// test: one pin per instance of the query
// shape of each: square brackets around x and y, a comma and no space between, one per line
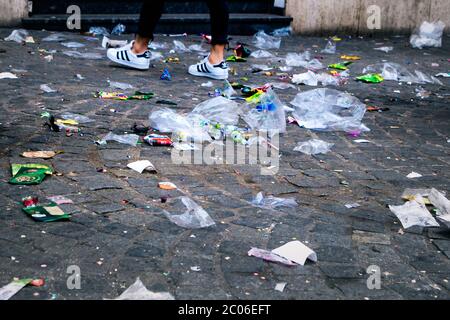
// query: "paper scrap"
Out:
[60,200]
[414,175]
[269,256]
[414,213]
[141,166]
[12,288]
[39,154]
[167,186]
[280,286]
[7,75]
[441,203]
[138,291]
[297,252]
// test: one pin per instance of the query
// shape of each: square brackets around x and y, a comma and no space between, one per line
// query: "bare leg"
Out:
[217,54]
[140,44]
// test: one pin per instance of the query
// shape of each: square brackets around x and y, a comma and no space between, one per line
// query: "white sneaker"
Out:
[125,57]
[206,69]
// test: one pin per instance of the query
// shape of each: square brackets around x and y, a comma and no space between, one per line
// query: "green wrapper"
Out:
[340,66]
[16,167]
[28,176]
[47,213]
[236,59]
[371,78]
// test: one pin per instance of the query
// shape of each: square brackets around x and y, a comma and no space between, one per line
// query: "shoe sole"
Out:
[129,64]
[208,75]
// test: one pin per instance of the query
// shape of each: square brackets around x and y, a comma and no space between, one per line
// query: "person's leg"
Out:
[150,14]
[219,29]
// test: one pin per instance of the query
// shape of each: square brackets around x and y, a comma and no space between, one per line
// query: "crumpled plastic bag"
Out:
[313,79]
[264,41]
[329,110]
[282,32]
[429,34]
[308,78]
[396,72]
[130,139]
[330,48]
[55,37]
[18,36]
[119,29]
[297,59]
[441,203]
[313,147]
[195,217]
[185,127]
[180,46]
[73,44]
[102,31]
[84,55]
[271,202]
[220,110]
[414,213]
[138,291]
[266,112]
[261,54]
[77,117]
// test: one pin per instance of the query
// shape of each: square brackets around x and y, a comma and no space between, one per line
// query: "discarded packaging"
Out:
[141,166]
[84,55]
[371,78]
[19,36]
[384,49]
[297,252]
[29,174]
[429,34]
[269,256]
[8,291]
[39,154]
[158,140]
[59,200]
[44,213]
[414,175]
[118,30]
[328,110]
[138,291]
[264,41]
[330,48]
[219,110]
[130,139]
[441,203]
[414,213]
[7,75]
[194,217]
[120,85]
[261,54]
[46,88]
[166,75]
[98,31]
[73,44]
[313,147]
[167,186]
[271,202]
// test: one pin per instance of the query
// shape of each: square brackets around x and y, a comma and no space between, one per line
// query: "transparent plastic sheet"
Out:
[282,32]
[384,49]
[441,203]
[118,29]
[130,139]
[283,85]
[308,78]
[195,217]
[313,147]
[84,55]
[330,48]
[328,110]
[180,46]
[261,54]
[47,89]
[73,44]
[185,127]
[19,36]
[77,117]
[138,291]
[264,41]
[120,85]
[55,37]
[197,48]
[429,34]
[414,213]
[220,110]
[270,256]
[298,59]
[266,113]
[396,72]
[271,202]
[99,31]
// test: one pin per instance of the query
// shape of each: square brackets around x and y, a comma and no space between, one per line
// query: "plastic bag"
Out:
[119,29]
[120,85]
[314,146]
[46,88]
[265,111]
[130,139]
[414,213]
[271,202]
[99,31]
[72,44]
[282,32]
[384,49]
[55,37]
[18,36]
[328,110]
[77,117]
[83,55]
[195,217]
[264,41]
[180,47]
[298,59]
[396,72]
[441,203]
[429,34]
[186,128]
[220,110]
[308,78]
[138,291]
[330,48]
[261,54]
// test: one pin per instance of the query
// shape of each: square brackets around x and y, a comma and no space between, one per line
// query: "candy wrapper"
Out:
[371,78]
[166,75]
[29,174]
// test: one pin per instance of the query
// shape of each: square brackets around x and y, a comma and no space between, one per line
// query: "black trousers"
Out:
[218,9]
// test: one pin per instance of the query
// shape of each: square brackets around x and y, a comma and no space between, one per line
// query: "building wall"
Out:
[350,16]
[12,12]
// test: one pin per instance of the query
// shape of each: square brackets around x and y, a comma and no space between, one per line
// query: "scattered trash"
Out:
[76,117]
[7,75]
[282,32]
[283,85]
[167,186]
[395,72]
[158,140]
[118,29]
[84,55]
[180,47]
[8,291]
[297,252]
[329,110]
[350,58]
[72,45]
[264,41]
[59,200]
[308,78]
[120,85]
[330,48]
[55,37]
[138,95]
[39,154]
[138,291]
[196,269]
[441,203]
[261,54]
[385,49]
[443,75]
[414,213]
[429,34]
[130,139]
[20,36]
[47,89]
[166,75]
[98,31]
[269,256]
[271,202]
[414,175]
[29,174]
[280,286]
[313,147]
[361,141]
[352,205]
[193,218]
[341,65]
[45,213]
[208,84]
[219,110]
[141,166]
[242,51]
[371,78]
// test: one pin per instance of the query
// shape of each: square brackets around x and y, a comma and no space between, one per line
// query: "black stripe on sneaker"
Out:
[126,55]
[121,54]
[206,68]
[198,68]
[118,55]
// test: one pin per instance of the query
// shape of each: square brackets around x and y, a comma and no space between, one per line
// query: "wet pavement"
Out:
[117,232]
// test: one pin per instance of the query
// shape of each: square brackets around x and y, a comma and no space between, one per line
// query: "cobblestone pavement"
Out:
[115,241]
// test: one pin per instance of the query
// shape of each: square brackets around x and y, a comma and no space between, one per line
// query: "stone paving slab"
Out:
[118,231]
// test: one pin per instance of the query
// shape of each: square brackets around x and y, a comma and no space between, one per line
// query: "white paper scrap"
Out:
[297,252]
